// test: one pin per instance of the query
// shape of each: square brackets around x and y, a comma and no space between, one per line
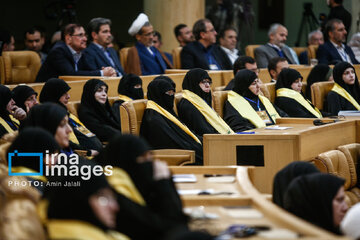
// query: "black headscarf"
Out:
[67,202]
[47,116]
[310,198]
[122,151]
[166,78]
[284,177]
[33,139]
[287,77]
[354,89]
[52,91]
[21,93]
[243,79]
[88,100]
[127,84]
[320,73]
[156,92]
[192,80]
[5,97]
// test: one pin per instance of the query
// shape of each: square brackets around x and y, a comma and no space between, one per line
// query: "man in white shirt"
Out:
[335,50]
[228,41]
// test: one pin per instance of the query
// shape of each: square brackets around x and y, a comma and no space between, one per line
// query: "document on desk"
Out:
[276,127]
[349,113]
[195,191]
[244,213]
[184,178]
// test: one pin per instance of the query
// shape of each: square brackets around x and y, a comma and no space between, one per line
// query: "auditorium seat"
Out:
[249,50]
[319,92]
[19,67]
[219,99]
[176,57]
[335,162]
[268,90]
[312,49]
[123,56]
[175,157]
[264,75]
[299,50]
[73,107]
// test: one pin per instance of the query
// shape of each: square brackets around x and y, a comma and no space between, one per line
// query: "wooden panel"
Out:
[166,14]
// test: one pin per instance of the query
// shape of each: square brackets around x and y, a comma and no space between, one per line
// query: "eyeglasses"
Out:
[80,35]
[206,82]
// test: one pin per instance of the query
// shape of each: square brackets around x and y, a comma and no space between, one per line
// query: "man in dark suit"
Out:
[228,41]
[275,47]
[202,53]
[66,57]
[334,50]
[98,54]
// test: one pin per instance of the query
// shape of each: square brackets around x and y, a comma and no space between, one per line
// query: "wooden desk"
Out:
[303,141]
[246,206]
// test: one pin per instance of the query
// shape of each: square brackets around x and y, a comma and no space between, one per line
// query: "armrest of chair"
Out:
[175,157]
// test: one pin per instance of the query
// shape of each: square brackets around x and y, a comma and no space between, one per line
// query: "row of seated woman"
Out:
[132,197]
[244,109]
[319,198]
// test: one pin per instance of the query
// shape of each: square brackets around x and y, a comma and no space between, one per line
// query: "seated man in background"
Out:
[157,41]
[275,66]
[98,54]
[314,38]
[275,47]
[183,34]
[144,58]
[66,57]
[243,62]
[34,41]
[335,50]
[202,53]
[228,41]
[8,41]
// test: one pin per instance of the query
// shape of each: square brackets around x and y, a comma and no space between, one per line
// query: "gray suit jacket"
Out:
[264,53]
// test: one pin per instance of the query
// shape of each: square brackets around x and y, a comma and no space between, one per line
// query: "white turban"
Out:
[350,225]
[138,24]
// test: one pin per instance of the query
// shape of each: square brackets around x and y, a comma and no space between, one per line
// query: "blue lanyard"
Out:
[343,54]
[257,103]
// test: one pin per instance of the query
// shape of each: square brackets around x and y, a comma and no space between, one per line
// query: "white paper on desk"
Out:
[277,127]
[279,233]
[194,191]
[221,179]
[184,178]
[349,113]
[244,213]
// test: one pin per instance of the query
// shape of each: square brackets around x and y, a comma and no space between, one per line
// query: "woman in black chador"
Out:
[160,125]
[95,111]
[345,95]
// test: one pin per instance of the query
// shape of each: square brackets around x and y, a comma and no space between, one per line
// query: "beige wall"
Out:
[166,14]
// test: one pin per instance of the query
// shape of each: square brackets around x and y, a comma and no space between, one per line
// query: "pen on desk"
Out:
[245,133]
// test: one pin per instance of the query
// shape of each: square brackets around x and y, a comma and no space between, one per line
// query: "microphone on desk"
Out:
[319,122]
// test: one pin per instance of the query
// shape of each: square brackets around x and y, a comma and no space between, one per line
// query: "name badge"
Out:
[263,115]
[84,131]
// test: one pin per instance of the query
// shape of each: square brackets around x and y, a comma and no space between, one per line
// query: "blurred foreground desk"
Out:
[271,150]
[218,210]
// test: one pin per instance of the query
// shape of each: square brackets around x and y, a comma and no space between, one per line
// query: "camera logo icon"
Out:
[16,159]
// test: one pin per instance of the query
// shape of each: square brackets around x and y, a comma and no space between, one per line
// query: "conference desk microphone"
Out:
[319,122]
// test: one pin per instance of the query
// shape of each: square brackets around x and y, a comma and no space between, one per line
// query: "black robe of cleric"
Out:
[195,109]
[56,90]
[289,97]
[245,108]
[96,113]
[161,126]
[345,94]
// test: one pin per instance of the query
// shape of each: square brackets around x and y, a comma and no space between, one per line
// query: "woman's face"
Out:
[205,85]
[105,207]
[101,94]
[62,133]
[349,76]
[31,101]
[255,87]
[297,85]
[10,106]
[64,99]
[339,207]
